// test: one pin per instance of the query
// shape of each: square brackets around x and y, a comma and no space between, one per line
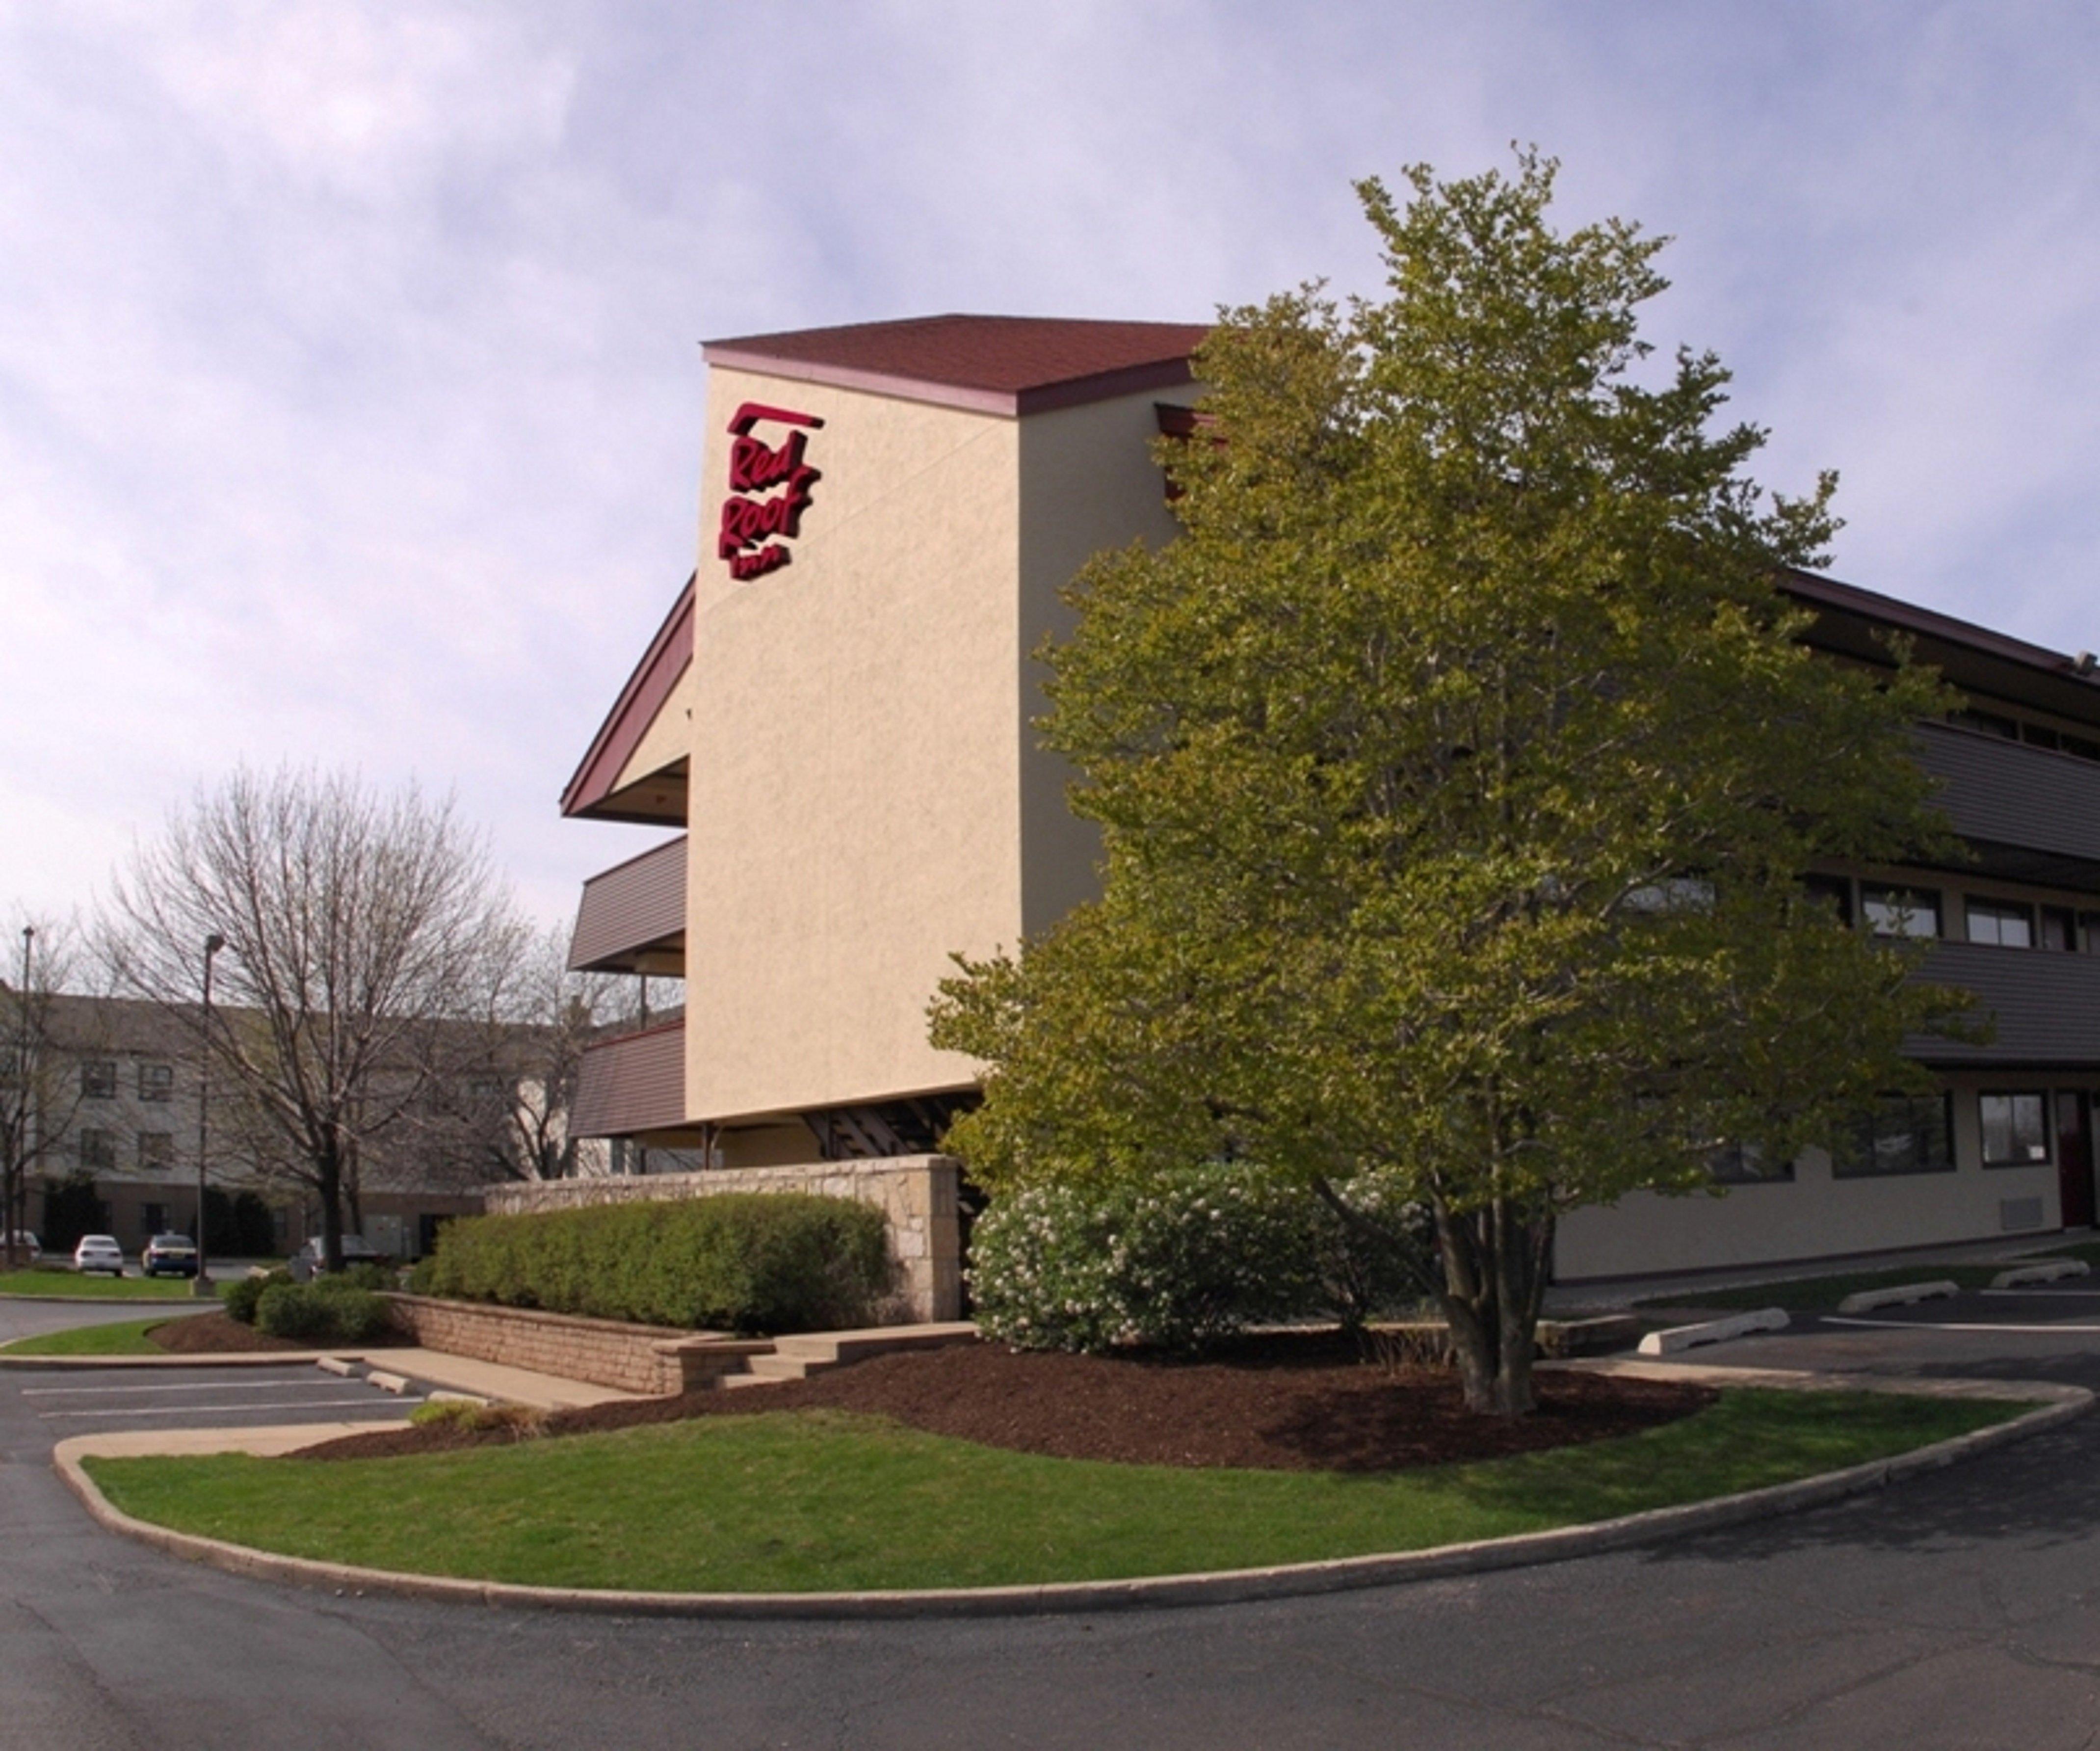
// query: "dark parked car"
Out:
[170,1255]
[305,1263]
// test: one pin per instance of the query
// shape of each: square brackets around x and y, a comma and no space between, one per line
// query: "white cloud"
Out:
[349,387]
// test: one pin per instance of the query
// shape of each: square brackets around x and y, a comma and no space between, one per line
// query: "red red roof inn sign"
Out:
[755,516]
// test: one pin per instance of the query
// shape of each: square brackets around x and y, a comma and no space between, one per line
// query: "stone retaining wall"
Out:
[916,1193]
[645,1359]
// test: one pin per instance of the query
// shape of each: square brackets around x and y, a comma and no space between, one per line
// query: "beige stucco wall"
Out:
[1814,1215]
[867,797]
[854,791]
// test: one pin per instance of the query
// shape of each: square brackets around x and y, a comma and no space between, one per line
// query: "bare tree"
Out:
[367,945]
[41,1088]
[511,1120]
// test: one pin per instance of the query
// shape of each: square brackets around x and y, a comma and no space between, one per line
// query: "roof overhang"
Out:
[1853,622]
[657,797]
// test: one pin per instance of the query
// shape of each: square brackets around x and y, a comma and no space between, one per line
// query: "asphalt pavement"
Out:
[1961,1609]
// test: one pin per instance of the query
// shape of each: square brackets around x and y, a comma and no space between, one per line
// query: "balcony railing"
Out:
[2045,1004]
[632,1084]
[633,916]
[2005,792]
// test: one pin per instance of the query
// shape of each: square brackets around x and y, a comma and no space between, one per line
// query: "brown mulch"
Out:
[222,1334]
[1303,1402]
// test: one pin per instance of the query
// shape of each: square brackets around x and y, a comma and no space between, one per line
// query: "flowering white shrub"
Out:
[1177,1260]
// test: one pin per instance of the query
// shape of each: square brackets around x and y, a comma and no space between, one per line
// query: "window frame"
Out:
[98,1079]
[1835,891]
[2040,1096]
[2001,912]
[96,1148]
[1845,1161]
[157,1080]
[1725,1165]
[1872,893]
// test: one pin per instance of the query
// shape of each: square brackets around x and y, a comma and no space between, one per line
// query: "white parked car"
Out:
[27,1251]
[98,1252]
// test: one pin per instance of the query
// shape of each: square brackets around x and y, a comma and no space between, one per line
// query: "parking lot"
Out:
[78,1402]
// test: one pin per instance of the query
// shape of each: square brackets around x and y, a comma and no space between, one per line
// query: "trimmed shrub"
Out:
[329,1311]
[1181,1260]
[239,1297]
[749,1262]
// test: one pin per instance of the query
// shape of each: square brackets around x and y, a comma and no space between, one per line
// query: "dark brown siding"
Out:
[637,906]
[2047,1006]
[2008,793]
[634,1084]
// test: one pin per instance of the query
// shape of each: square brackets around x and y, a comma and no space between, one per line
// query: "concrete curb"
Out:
[147,1302]
[1899,1295]
[2058,1405]
[229,1359]
[2055,1270]
[1672,1339]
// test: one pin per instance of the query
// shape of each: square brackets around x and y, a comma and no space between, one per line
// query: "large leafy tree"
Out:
[1458,767]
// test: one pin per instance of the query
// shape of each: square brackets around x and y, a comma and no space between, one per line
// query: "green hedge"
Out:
[752,1262]
[240,1297]
[327,1312]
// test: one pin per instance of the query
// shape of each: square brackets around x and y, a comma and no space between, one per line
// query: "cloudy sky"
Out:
[350,386]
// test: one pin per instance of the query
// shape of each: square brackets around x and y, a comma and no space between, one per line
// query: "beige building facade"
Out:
[836,720]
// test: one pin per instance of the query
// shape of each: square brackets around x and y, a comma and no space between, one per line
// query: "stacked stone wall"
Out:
[916,1195]
[644,1359]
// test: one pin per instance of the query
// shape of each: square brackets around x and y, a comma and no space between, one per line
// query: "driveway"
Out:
[23,1318]
[1959,1609]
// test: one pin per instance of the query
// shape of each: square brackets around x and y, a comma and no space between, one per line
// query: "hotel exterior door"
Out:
[2074,1156]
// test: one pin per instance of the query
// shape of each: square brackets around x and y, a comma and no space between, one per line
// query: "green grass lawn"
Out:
[119,1337]
[39,1281]
[1822,1294]
[791,1501]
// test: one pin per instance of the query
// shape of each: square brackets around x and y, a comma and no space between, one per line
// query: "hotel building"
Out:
[835,717]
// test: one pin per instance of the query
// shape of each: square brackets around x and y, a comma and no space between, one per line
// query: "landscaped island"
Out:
[963,1467]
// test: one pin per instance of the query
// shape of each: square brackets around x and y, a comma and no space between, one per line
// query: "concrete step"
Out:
[779,1367]
[798,1356]
[842,1347]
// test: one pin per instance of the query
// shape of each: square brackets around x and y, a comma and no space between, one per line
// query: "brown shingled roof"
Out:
[994,365]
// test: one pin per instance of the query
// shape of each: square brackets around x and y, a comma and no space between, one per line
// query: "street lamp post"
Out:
[18,1143]
[201,1285]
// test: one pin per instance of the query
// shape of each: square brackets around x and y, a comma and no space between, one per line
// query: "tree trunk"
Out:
[328,1183]
[1494,1279]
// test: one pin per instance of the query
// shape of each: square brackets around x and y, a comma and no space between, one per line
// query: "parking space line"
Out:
[192,1410]
[187,1386]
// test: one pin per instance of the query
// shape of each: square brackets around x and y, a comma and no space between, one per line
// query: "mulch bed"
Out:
[1304,1402]
[221,1334]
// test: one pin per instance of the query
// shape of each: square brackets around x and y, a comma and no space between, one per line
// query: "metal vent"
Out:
[2019,1213]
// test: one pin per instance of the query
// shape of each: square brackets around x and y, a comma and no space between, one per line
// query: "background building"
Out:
[124,1158]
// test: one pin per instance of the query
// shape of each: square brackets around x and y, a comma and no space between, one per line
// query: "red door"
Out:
[2074,1156]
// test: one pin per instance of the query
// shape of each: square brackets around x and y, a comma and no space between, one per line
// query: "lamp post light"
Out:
[201,1283]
